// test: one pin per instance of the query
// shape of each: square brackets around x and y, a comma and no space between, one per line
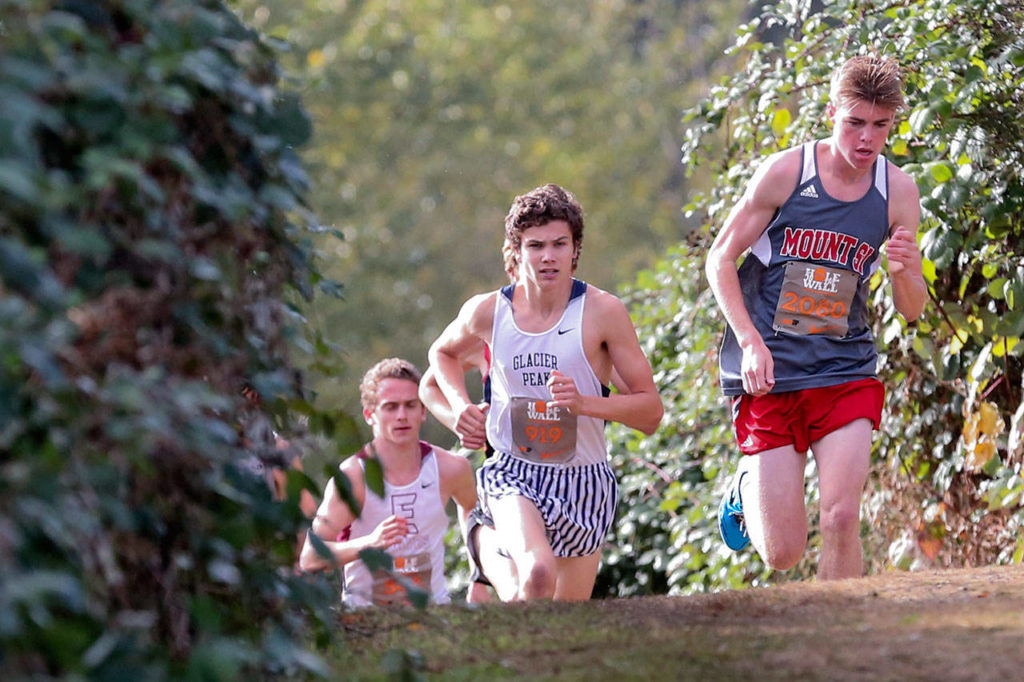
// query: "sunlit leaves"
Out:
[980,431]
[780,121]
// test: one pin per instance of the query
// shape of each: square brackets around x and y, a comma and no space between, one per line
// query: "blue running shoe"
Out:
[730,517]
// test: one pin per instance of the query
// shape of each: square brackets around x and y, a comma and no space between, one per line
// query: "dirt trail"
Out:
[934,625]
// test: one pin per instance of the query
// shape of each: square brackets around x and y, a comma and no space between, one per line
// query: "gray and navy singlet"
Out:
[805,285]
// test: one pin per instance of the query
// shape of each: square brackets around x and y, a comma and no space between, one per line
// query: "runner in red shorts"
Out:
[798,356]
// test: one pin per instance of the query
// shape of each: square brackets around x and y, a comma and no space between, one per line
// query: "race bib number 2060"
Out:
[815,299]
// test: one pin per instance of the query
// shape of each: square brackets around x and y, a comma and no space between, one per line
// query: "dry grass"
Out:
[935,625]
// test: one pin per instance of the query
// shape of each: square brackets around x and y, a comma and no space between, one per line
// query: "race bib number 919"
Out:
[542,432]
[815,299]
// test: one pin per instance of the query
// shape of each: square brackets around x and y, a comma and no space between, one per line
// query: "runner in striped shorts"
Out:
[548,495]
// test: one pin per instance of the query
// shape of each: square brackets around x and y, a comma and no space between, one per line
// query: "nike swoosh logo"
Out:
[817,329]
[565,331]
[425,485]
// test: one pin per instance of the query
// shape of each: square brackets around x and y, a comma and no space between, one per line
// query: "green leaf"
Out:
[942,171]
[780,121]
[995,288]
[374,472]
[17,182]
[344,488]
[921,119]
[1013,292]
[322,550]
[376,560]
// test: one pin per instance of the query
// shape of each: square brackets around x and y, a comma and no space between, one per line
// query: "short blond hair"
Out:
[869,78]
[389,368]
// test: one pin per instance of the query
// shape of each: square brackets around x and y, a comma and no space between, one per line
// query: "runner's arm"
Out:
[909,290]
[457,474]
[334,516]
[461,337]
[766,192]
[474,436]
[639,405]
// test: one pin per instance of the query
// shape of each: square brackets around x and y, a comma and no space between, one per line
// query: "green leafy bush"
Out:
[947,485]
[153,241]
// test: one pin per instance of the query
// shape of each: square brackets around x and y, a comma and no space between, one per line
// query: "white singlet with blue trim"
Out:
[519,422]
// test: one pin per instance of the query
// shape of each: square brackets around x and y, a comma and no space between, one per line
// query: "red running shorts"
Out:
[799,418]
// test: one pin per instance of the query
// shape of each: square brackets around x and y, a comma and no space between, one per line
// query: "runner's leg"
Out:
[575,576]
[478,593]
[773,505]
[843,458]
[496,566]
[520,530]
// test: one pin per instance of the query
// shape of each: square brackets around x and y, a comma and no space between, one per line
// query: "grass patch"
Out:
[933,625]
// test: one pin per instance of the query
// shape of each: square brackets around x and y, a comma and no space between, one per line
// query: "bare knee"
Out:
[537,581]
[840,521]
[783,554]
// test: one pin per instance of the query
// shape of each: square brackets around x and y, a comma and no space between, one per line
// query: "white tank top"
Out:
[519,421]
[420,556]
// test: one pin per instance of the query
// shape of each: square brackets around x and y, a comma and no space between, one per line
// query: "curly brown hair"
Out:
[541,206]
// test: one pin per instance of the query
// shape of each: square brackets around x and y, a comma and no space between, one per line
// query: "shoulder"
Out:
[456,474]
[904,198]
[606,309]
[353,471]
[602,300]
[449,464]
[479,307]
[786,163]
[478,301]
[901,185]
[777,176]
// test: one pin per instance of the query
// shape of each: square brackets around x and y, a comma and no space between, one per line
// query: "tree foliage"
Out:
[431,116]
[946,486]
[154,239]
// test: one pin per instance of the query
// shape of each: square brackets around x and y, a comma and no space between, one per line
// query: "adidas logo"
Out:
[809,192]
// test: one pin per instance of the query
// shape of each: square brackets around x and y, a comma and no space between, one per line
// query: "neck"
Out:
[546,300]
[396,459]
[836,166]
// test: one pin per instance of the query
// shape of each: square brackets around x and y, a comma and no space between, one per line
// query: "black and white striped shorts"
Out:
[576,503]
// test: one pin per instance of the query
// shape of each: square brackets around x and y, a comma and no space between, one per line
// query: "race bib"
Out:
[415,568]
[541,432]
[815,299]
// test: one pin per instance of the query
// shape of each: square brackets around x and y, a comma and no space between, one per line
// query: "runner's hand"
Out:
[903,252]
[564,392]
[471,426]
[757,368]
[388,532]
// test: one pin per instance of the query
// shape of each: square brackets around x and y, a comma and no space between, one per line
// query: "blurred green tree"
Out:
[431,116]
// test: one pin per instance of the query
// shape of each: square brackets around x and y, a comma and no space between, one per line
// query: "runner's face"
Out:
[399,413]
[860,130]
[546,253]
